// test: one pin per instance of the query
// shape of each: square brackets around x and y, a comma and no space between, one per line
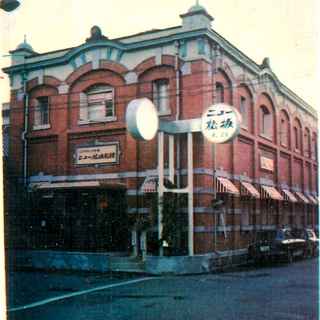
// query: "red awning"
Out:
[248,189]
[270,192]
[224,185]
[312,199]
[289,196]
[302,197]
[149,185]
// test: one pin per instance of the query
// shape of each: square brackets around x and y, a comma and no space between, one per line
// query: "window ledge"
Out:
[41,127]
[265,137]
[102,120]
[164,113]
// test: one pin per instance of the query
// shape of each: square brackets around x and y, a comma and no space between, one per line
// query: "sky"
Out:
[286,31]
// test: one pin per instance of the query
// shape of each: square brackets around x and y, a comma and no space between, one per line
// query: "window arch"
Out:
[219,93]
[266,125]
[97,103]
[314,146]
[245,102]
[307,143]
[297,136]
[284,132]
[160,93]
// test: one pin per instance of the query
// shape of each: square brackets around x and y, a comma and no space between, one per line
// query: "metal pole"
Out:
[171,158]
[190,195]
[214,192]
[160,190]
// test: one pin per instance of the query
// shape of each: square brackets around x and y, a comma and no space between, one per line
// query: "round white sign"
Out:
[142,119]
[220,123]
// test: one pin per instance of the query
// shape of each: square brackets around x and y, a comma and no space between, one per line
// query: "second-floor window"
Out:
[244,111]
[97,104]
[296,138]
[219,93]
[266,125]
[161,96]
[41,112]
[284,133]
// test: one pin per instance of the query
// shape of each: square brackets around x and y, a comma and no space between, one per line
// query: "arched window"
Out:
[297,136]
[161,96]
[219,93]
[244,111]
[97,104]
[41,112]
[314,146]
[307,143]
[266,125]
[284,133]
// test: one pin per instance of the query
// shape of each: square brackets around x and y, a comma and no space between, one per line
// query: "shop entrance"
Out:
[93,220]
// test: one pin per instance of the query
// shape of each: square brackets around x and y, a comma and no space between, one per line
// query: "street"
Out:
[275,292]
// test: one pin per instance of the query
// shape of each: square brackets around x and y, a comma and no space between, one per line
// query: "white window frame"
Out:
[161,99]
[101,105]
[42,113]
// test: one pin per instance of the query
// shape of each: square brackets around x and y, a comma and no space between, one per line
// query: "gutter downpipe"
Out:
[25,131]
[178,76]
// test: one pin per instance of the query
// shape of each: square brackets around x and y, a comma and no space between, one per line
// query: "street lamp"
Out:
[9,5]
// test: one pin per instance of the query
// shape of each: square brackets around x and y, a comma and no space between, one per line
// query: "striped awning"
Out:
[312,199]
[248,189]
[224,185]
[302,197]
[289,196]
[270,193]
[149,185]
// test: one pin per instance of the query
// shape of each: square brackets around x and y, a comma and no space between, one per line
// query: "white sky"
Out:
[286,31]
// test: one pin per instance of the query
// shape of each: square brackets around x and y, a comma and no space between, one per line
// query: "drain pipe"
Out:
[176,67]
[25,131]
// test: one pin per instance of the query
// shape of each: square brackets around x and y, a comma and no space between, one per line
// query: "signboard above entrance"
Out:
[220,123]
[106,154]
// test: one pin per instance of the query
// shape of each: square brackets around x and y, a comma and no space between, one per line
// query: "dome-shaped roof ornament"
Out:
[265,63]
[25,46]
[96,35]
[197,17]
[197,7]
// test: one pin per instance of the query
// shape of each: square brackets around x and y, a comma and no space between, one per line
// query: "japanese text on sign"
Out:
[220,123]
[96,155]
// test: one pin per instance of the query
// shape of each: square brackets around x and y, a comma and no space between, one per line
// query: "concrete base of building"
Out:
[110,262]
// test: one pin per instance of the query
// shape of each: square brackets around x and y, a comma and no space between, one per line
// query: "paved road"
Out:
[283,292]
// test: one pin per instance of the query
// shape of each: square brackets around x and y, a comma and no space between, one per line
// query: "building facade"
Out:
[90,184]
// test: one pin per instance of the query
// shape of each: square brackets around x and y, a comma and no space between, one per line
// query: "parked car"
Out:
[311,240]
[275,245]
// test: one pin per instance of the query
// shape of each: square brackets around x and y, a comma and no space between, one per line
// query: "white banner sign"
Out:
[96,155]
[220,123]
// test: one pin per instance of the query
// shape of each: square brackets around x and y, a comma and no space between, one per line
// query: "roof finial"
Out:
[25,38]
[197,2]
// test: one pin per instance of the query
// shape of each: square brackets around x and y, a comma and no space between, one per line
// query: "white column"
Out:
[171,158]
[190,195]
[160,188]
[134,242]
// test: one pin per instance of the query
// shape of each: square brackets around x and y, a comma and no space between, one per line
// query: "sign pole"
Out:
[190,195]
[160,190]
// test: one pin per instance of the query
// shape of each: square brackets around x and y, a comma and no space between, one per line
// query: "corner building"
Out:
[88,179]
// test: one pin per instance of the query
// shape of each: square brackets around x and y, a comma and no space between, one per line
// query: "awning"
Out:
[289,196]
[270,192]
[302,197]
[224,185]
[248,189]
[77,184]
[312,199]
[149,185]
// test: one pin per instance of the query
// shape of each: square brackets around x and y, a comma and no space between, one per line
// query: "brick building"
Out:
[87,178]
